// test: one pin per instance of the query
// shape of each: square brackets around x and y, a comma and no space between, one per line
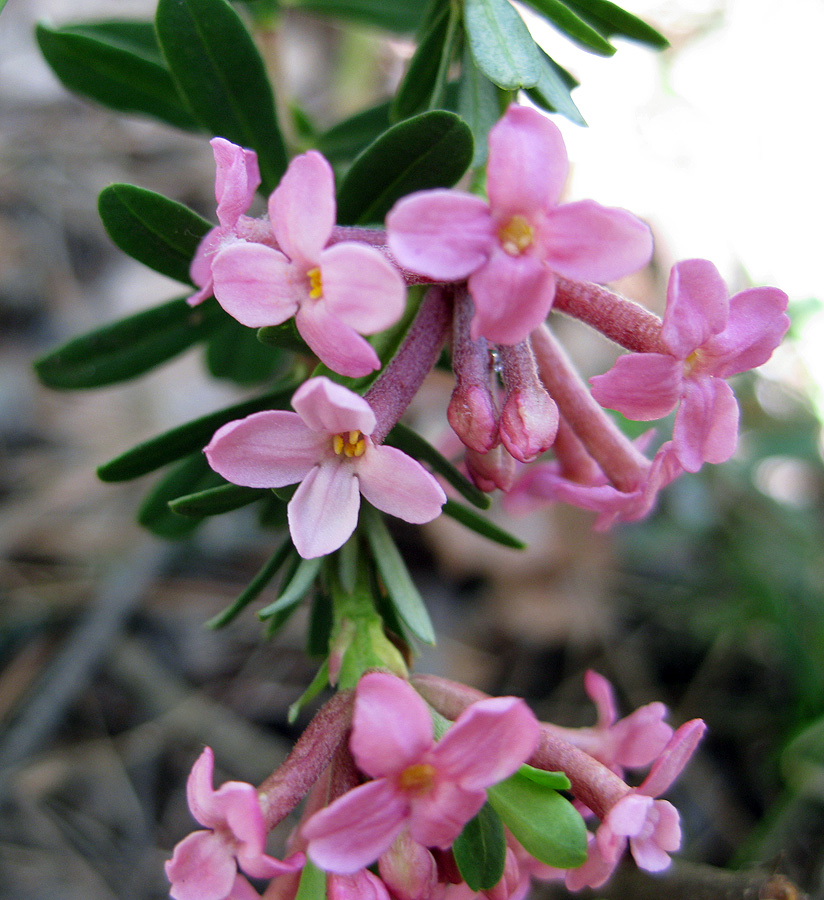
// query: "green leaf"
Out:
[545,823]
[219,71]
[405,597]
[480,850]
[189,476]
[611,19]
[320,625]
[501,45]
[573,26]
[117,64]
[156,231]
[424,83]
[427,151]
[128,348]
[296,589]
[404,438]
[216,501]
[346,139]
[312,883]
[552,92]
[172,445]
[318,683]
[482,526]
[479,104]
[234,352]
[555,780]
[392,15]
[270,568]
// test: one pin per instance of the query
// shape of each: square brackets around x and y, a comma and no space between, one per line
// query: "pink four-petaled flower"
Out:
[336,294]
[432,788]
[709,337]
[204,865]
[326,446]
[511,247]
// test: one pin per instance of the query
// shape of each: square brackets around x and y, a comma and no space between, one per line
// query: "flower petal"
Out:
[354,830]
[237,179]
[200,790]
[488,742]
[200,269]
[324,511]
[587,241]
[391,727]
[202,867]
[443,234]
[302,208]
[697,306]
[706,425]
[399,485]
[331,408]
[512,296]
[527,163]
[629,815]
[335,344]
[272,448]
[361,287]
[437,818]
[255,284]
[641,386]
[673,758]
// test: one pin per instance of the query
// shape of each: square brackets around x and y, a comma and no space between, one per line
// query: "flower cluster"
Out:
[387,793]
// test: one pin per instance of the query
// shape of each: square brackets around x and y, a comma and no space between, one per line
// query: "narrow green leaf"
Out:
[216,501]
[270,568]
[172,445]
[545,823]
[320,625]
[573,26]
[219,71]
[480,850]
[611,19]
[482,526]
[405,597]
[427,151]
[156,231]
[501,45]
[128,348]
[117,64]
[234,352]
[479,104]
[296,589]
[411,442]
[189,476]
[318,683]
[553,90]
[401,16]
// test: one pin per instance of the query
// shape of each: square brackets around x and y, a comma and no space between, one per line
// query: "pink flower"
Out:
[325,445]
[511,247]
[432,788]
[709,337]
[336,293]
[204,865]
[237,179]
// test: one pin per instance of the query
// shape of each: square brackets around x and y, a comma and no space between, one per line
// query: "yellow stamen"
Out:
[516,236]
[351,444]
[417,779]
[315,285]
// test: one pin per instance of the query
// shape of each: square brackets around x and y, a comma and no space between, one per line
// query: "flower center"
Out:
[692,363]
[315,284]
[417,779]
[516,236]
[349,444]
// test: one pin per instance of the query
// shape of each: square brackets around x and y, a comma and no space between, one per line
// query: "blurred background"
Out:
[109,683]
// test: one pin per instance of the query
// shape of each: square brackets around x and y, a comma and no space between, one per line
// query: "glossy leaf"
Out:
[427,151]
[345,140]
[401,16]
[573,26]
[403,594]
[296,589]
[156,231]
[501,45]
[264,575]
[479,104]
[118,64]
[480,850]
[234,352]
[545,823]
[216,501]
[610,19]
[411,442]
[219,71]
[555,780]
[172,445]
[472,520]
[187,477]
[128,348]
[553,90]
